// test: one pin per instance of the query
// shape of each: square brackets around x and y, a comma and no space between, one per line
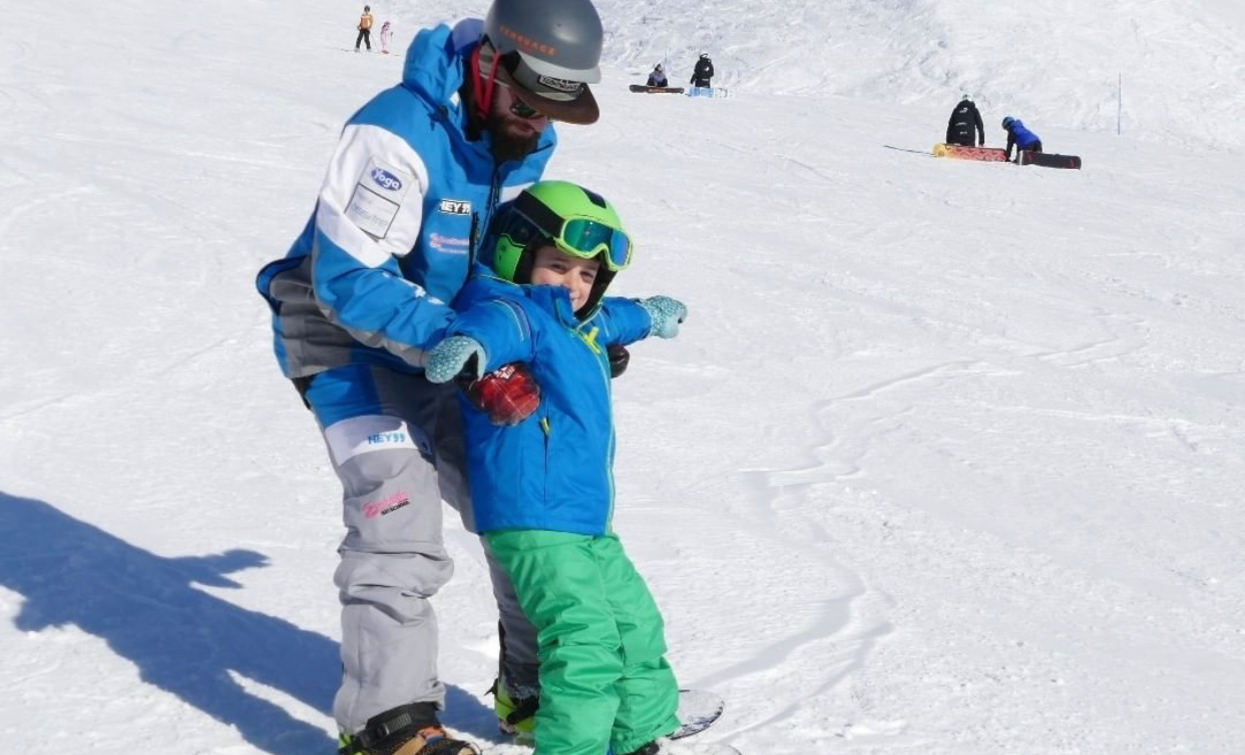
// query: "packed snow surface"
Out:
[948,458]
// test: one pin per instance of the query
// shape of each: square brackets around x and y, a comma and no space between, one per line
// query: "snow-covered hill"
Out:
[948,458]
[1052,62]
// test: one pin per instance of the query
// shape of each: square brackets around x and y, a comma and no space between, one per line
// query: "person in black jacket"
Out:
[658,77]
[964,119]
[703,72]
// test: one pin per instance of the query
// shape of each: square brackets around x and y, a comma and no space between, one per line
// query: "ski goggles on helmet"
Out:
[578,236]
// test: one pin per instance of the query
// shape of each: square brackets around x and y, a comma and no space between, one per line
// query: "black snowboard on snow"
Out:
[656,90]
[1047,160]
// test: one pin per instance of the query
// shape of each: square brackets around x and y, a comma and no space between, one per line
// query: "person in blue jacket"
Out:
[1020,137]
[364,292]
[543,489]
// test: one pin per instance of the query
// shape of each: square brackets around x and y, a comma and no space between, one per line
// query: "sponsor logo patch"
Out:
[455,207]
[386,505]
[371,212]
[386,180]
[377,198]
[394,437]
[356,436]
[449,244]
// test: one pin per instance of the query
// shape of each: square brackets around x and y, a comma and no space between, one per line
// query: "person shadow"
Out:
[183,640]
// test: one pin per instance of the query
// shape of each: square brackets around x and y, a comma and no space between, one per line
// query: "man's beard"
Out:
[510,145]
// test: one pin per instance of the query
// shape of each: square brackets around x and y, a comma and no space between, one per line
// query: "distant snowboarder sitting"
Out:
[965,119]
[1020,137]
[703,72]
[365,29]
[658,77]
[385,35]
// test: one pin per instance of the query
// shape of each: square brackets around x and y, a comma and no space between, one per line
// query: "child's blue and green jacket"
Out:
[554,470]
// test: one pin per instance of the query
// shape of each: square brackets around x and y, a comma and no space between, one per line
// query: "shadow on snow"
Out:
[182,640]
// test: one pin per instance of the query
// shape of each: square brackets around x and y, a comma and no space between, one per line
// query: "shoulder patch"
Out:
[377,197]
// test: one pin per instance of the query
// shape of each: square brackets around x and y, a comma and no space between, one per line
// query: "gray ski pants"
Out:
[395,442]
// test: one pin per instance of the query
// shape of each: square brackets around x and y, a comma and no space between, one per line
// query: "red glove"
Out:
[507,395]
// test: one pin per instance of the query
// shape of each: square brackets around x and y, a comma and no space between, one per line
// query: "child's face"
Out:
[553,267]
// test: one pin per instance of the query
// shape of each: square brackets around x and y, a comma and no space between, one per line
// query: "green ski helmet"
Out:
[576,220]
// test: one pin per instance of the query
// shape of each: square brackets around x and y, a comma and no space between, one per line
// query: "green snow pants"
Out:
[604,680]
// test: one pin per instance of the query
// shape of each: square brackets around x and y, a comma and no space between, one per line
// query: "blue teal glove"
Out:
[666,314]
[455,356]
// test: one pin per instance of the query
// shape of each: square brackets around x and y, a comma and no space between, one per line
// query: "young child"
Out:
[542,489]
[385,35]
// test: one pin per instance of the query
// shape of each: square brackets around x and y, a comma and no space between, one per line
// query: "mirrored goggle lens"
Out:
[524,110]
[587,237]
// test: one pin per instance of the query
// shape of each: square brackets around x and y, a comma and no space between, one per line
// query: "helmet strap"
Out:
[527,260]
[482,88]
[604,278]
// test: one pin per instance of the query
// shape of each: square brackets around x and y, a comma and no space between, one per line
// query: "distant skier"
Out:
[658,77]
[703,72]
[965,119]
[1020,137]
[385,35]
[365,29]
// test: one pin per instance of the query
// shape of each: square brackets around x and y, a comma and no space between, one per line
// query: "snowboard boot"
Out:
[516,716]
[663,746]
[407,730]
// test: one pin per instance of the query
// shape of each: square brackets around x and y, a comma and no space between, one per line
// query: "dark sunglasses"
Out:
[519,107]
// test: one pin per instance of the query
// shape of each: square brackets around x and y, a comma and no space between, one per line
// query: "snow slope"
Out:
[1056,62]
[948,458]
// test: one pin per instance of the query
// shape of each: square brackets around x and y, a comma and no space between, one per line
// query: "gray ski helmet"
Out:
[550,51]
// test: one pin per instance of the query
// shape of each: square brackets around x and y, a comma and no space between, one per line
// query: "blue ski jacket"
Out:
[1020,136]
[554,470]
[370,278]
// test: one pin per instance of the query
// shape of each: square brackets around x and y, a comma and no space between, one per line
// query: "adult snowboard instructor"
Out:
[416,176]
[964,121]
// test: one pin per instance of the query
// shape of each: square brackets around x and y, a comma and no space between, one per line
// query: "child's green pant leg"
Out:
[648,693]
[603,679]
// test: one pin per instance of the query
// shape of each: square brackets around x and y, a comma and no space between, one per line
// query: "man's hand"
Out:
[619,357]
[507,395]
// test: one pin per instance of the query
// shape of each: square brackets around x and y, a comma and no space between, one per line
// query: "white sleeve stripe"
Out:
[347,236]
[371,203]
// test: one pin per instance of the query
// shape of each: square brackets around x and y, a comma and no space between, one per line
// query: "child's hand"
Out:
[453,357]
[666,314]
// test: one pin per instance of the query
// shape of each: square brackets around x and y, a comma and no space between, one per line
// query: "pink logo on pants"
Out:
[386,505]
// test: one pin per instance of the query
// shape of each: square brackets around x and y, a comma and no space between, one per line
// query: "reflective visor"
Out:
[589,238]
